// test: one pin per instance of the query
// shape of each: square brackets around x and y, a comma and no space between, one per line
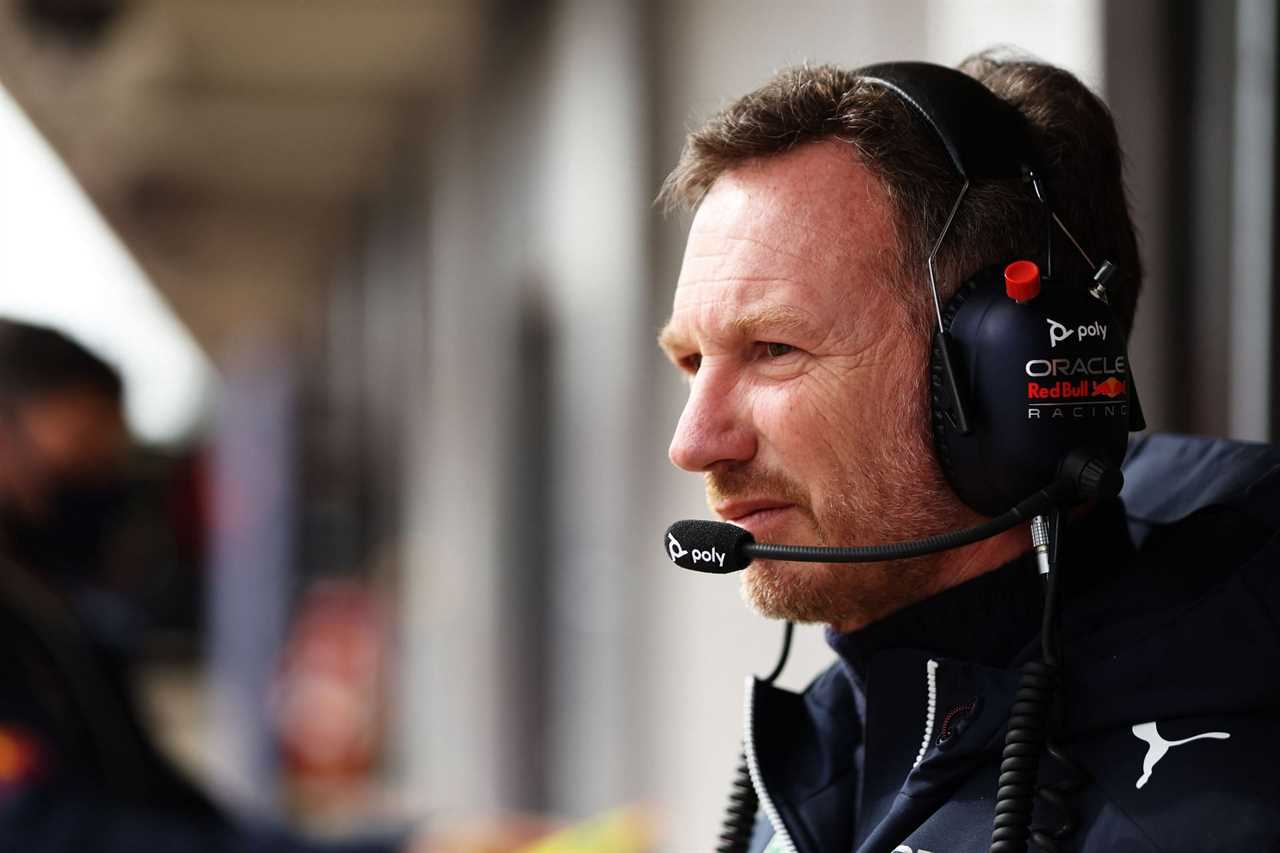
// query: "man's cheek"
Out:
[825,413]
[796,401]
[772,408]
[829,389]
[788,438]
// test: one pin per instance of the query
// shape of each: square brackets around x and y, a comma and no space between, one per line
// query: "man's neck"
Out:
[951,568]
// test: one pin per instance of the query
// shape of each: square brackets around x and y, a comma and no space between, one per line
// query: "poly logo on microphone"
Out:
[712,556]
[707,546]
[674,549]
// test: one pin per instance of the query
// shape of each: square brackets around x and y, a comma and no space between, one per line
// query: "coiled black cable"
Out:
[1028,735]
[1020,761]
[740,815]
[1058,796]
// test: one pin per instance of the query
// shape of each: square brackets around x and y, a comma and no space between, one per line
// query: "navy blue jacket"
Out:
[1171,684]
[78,770]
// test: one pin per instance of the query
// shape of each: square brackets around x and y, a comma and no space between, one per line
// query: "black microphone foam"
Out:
[708,546]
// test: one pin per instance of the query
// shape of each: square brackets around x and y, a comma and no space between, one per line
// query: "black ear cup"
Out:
[1041,378]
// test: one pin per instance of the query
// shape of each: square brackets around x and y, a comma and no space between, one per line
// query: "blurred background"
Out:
[383,279]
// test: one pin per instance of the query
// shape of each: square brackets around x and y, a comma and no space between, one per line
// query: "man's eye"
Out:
[779,350]
[691,363]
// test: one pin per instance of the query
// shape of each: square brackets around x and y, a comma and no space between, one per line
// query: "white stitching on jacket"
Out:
[779,830]
[931,680]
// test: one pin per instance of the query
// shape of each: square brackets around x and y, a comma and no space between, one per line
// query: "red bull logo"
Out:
[1058,390]
[1110,388]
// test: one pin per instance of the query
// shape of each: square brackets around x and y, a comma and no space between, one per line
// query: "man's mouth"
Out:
[753,515]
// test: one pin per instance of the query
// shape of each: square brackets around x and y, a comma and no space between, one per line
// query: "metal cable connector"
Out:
[1040,541]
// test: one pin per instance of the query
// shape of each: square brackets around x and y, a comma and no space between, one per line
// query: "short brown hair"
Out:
[999,220]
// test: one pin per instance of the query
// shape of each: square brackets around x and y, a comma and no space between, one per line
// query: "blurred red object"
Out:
[329,697]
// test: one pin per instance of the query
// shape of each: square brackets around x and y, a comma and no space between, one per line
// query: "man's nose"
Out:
[714,427]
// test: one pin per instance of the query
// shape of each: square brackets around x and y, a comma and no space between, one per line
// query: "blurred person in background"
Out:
[803,323]
[79,770]
[63,445]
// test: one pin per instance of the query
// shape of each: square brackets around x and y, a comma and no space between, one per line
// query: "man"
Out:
[78,769]
[63,444]
[802,321]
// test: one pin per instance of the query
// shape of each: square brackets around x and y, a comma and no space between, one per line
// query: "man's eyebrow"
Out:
[767,320]
[772,319]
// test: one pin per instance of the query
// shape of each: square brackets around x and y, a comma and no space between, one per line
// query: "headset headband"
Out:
[985,137]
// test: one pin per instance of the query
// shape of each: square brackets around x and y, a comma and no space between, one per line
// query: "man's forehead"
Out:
[819,186]
[811,222]
[817,200]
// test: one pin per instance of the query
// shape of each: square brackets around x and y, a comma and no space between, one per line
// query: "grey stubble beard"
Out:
[895,495]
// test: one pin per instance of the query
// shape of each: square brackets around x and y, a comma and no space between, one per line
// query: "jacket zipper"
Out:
[931,708]
[749,744]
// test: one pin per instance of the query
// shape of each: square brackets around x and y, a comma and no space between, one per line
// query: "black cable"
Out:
[740,815]
[1028,735]
[786,652]
[1039,503]
[1049,617]
[1020,760]
[1058,795]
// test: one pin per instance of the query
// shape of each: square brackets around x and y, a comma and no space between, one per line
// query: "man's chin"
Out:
[799,592]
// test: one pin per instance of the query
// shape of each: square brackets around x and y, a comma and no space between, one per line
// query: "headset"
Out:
[1025,369]
[1031,402]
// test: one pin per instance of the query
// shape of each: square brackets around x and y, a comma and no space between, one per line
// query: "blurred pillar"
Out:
[1147,82]
[461,706]
[252,554]
[518,687]
[1252,272]
[596,200]
[1193,89]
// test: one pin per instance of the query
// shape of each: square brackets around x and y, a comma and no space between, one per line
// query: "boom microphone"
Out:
[719,547]
[708,546]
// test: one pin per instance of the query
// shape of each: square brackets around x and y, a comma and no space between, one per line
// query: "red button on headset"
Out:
[1022,281]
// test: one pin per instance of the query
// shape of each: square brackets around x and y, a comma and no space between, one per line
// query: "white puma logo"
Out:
[1157,746]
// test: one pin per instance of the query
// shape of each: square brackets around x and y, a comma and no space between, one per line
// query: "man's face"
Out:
[75,435]
[806,405]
